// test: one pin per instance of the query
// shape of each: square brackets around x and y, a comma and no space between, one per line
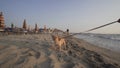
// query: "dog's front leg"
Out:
[60,48]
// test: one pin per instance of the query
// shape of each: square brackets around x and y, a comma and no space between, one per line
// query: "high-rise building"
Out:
[2,21]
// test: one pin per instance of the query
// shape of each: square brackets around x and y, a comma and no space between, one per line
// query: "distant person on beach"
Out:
[67,31]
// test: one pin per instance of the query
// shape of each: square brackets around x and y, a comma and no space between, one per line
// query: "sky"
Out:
[75,15]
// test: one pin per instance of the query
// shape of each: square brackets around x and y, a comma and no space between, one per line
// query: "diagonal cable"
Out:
[101,26]
[94,28]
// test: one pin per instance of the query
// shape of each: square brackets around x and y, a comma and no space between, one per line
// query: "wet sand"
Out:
[39,51]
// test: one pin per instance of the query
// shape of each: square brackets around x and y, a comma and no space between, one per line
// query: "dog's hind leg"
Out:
[65,45]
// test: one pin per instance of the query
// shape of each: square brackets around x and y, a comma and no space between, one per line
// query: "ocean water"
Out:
[108,41]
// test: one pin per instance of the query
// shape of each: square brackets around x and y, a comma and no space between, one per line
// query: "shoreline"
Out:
[100,50]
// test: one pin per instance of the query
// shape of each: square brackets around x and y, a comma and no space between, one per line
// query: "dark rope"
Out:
[118,20]
[101,26]
[93,28]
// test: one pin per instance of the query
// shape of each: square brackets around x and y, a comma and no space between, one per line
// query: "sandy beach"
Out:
[39,51]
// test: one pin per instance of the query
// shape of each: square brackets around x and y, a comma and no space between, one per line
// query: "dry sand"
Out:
[39,51]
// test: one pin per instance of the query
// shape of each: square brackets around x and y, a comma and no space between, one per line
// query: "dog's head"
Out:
[55,37]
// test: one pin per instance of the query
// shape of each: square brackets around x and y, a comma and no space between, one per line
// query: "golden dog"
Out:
[59,41]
